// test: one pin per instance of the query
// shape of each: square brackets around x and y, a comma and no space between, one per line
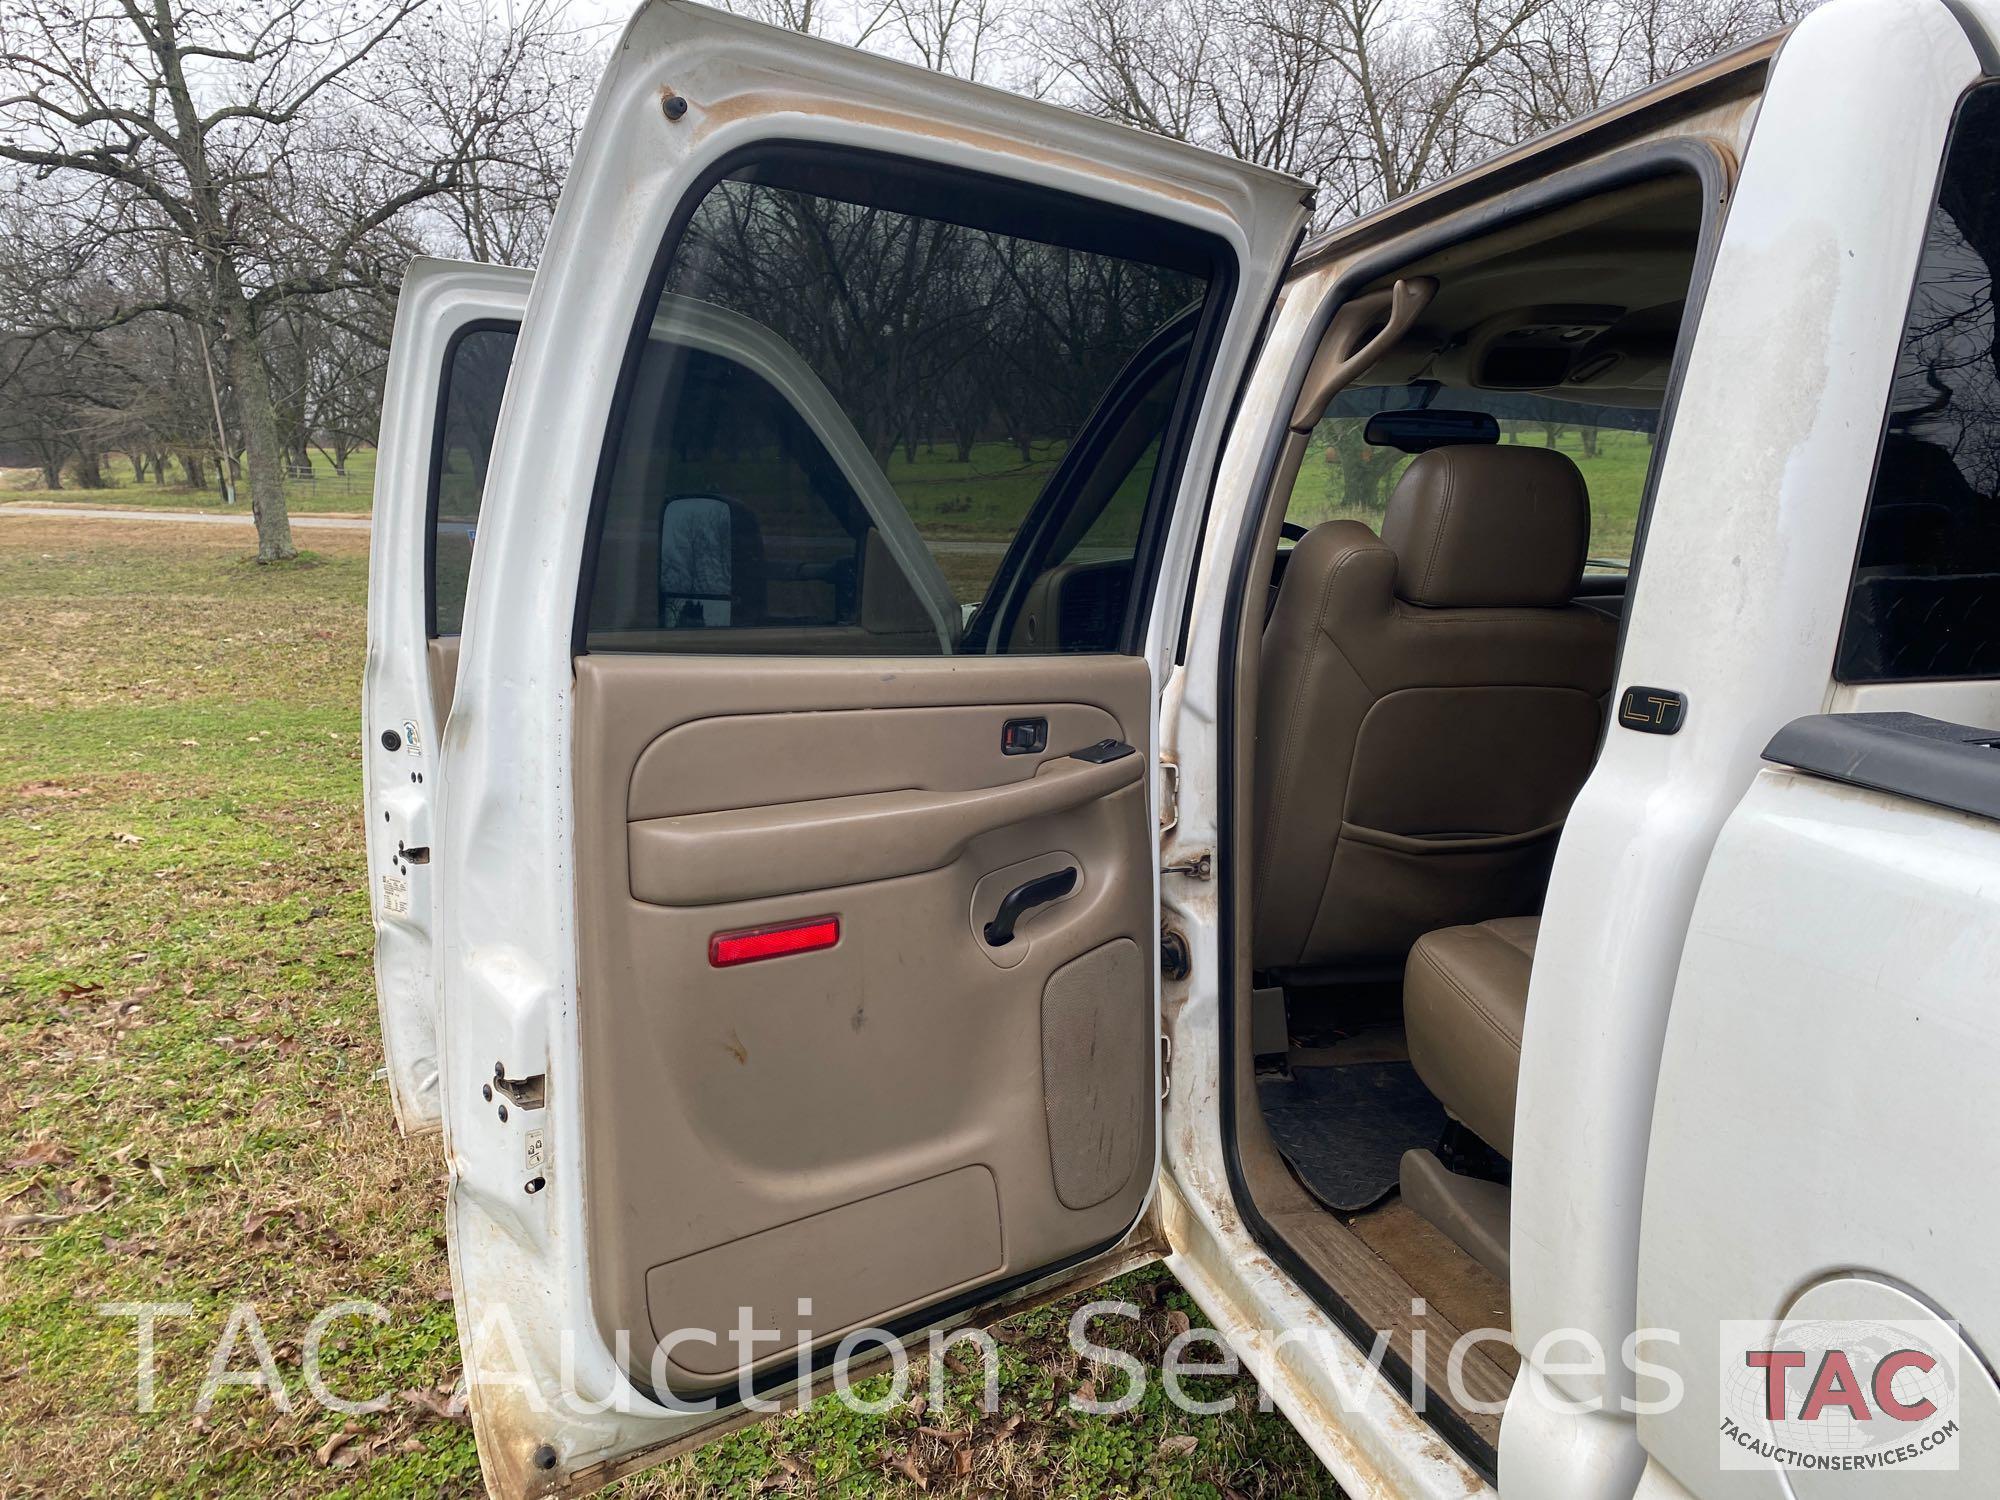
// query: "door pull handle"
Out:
[1023,899]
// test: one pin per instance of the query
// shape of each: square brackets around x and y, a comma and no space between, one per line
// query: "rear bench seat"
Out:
[1465,996]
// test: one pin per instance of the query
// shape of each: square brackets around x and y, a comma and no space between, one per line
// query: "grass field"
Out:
[189,1112]
[1615,475]
[327,493]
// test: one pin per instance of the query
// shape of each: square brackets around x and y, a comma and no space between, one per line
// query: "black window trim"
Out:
[1130,233]
[1027,553]
[435,468]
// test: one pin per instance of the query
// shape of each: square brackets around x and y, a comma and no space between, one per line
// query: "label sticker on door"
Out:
[536,1155]
[395,896]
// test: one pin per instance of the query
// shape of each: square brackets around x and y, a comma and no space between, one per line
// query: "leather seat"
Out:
[1465,998]
[1430,702]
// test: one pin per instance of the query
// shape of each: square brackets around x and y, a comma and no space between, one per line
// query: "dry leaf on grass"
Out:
[1178,1446]
[330,1450]
[444,1403]
[259,1224]
[44,1153]
[902,1465]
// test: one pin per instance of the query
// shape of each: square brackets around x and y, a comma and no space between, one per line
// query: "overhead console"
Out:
[1566,348]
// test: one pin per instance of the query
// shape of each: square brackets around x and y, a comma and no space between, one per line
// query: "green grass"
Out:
[1615,475]
[987,496]
[189,1110]
[327,493]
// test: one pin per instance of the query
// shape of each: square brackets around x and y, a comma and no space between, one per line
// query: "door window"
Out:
[1925,600]
[475,377]
[852,427]
[1344,477]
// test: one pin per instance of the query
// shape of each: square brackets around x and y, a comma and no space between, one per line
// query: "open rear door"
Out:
[455,329]
[798,846]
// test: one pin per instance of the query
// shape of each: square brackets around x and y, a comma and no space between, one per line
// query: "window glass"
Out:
[727,510]
[1344,477]
[1925,600]
[475,377]
[845,413]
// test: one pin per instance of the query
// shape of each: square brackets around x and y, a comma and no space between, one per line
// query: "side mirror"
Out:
[711,555]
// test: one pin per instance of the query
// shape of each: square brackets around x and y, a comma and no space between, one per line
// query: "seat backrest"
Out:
[1429,705]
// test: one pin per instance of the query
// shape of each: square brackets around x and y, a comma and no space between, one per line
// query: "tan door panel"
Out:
[902,1117]
[441,660]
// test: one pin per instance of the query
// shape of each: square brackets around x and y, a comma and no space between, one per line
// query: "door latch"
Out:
[421,855]
[1170,796]
[525,1093]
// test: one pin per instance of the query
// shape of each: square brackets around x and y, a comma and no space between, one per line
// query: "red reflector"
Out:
[748,944]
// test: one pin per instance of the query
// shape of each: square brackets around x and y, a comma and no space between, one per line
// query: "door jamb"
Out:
[1714,169]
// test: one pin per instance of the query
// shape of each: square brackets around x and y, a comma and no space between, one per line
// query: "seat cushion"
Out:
[1465,996]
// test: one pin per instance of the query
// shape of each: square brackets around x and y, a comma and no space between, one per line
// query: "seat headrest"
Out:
[1483,526]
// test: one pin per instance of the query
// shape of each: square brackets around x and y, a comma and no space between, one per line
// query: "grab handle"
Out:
[1023,899]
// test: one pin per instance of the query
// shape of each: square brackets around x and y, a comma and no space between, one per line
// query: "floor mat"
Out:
[1344,1130]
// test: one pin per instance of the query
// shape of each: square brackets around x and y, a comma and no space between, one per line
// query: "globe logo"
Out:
[1831,1394]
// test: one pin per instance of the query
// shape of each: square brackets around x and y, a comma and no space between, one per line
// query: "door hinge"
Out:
[1196,866]
[1170,796]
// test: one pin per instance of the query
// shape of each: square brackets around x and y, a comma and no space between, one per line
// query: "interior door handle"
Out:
[1023,899]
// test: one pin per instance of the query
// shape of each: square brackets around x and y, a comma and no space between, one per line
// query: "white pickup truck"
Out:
[1011,716]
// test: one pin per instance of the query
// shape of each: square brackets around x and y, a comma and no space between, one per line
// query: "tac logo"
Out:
[1838,1396]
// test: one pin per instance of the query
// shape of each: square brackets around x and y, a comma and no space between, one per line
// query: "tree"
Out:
[42,397]
[507,101]
[260,155]
[1373,99]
